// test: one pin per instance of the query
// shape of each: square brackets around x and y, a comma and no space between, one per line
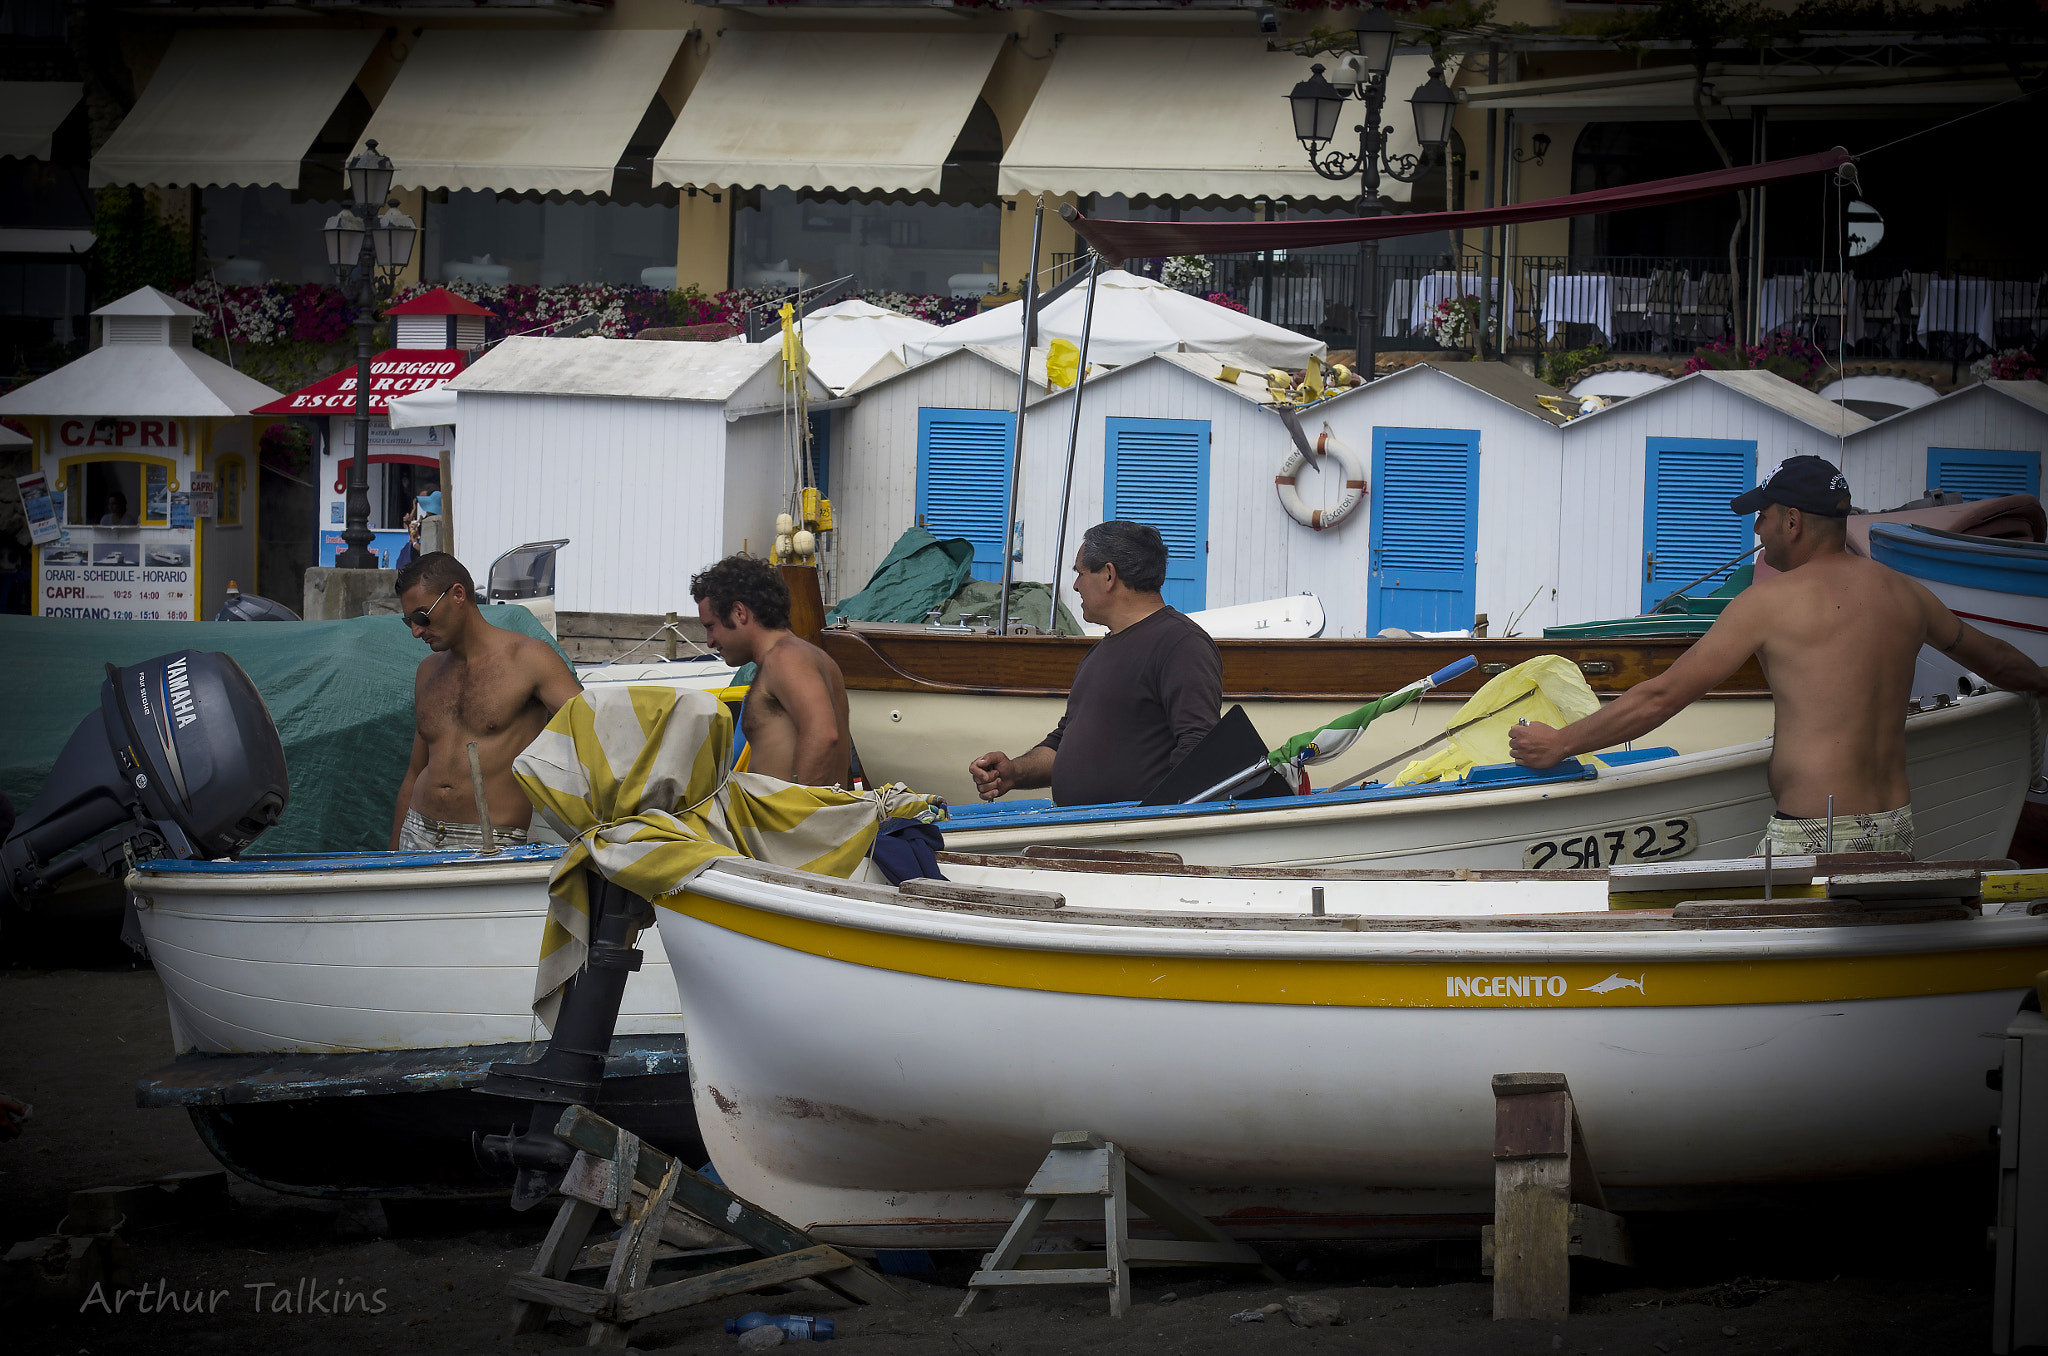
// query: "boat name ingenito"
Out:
[308,1296]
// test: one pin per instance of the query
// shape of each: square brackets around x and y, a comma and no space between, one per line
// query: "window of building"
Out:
[626,237]
[251,235]
[228,476]
[117,492]
[946,242]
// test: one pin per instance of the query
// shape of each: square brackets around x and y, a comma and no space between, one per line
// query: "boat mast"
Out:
[1059,550]
[1017,433]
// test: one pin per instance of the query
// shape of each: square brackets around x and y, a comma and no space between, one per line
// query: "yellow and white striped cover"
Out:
[637,781]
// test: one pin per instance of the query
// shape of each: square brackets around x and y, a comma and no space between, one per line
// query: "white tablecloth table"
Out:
[1962,306]
[1436,287]
[1579,299]
[1782,305]
[1296,301]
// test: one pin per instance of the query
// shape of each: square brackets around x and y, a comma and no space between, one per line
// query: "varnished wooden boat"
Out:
[925,703]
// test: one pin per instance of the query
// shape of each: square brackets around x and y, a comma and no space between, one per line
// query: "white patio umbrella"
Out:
[1134,317]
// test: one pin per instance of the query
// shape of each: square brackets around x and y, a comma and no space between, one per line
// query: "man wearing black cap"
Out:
[1837,635]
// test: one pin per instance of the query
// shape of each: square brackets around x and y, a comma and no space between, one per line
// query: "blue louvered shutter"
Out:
[1984,474]
[1425,518]
[963,480]
[1687,528]
[1158,474]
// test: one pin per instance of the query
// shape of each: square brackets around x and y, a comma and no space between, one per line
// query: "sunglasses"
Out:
[418,616]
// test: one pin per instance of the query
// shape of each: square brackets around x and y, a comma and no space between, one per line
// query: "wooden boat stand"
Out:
[1547,1203]
[1080,1164]
[655,1198]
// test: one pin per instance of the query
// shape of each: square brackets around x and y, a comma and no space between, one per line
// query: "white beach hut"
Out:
[654,459]
[1134,316]
[1982,441]
[1165,441]
[1643,497]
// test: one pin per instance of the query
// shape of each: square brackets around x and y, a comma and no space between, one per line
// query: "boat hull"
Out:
[926,740]
[1298,1094]
[259,957]
[1969,766]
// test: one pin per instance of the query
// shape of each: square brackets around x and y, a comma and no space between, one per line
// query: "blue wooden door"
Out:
[1425,522]
[1687,528]
[963,480]
[1983,474]
[1158,474]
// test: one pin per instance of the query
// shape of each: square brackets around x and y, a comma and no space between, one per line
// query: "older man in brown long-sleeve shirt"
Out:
[1143,697]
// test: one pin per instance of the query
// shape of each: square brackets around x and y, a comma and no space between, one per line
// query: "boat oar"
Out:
[1304,747]
[483,803]
[1446,733]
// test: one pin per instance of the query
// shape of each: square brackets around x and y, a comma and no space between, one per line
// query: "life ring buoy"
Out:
[1328,444]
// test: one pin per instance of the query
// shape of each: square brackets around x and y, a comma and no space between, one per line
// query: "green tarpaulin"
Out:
[339,692]
[920,573]
[1028,601]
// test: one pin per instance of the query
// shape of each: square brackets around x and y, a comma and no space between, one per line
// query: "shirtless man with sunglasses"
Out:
[482,684]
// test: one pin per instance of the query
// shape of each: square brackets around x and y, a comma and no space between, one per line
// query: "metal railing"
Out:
[1645,303]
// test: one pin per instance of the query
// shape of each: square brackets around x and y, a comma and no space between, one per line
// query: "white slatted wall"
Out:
[1887,464]
[637,485]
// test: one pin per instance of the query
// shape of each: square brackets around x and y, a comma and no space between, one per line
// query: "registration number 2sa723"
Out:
[1624,844]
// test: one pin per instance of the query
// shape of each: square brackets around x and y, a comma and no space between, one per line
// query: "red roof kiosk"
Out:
[436,334]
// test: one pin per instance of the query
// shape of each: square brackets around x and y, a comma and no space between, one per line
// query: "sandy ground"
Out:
[1902,1269]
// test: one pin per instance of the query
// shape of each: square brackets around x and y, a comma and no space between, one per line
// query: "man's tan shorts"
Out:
[420,834]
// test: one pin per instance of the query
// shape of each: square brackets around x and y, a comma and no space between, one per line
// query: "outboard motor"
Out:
[240,606]
[181,760]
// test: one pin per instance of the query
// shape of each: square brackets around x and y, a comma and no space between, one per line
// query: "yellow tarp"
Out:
[637,782]
[1560,697]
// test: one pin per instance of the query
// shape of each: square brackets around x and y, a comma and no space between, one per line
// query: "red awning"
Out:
[394,372]
[1117,240]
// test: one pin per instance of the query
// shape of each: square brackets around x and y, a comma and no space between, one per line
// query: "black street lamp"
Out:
[1316,104]
[368,248]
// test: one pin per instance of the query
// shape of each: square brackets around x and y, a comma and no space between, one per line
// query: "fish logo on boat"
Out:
[1613,982]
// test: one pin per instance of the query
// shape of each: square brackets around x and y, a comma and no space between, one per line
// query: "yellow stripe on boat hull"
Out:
[1390,984]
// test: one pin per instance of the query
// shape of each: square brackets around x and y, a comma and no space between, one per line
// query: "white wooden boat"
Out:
[1999,586]
[378,951]
[1305,1076]
[1969,762]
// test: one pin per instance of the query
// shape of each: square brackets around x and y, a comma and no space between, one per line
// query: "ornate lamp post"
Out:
[368,247]
[1317,102]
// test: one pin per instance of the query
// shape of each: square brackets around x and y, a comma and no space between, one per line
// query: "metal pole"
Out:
[1059,550]
[1758,149]
[1367,305]
[356,535]
[1486,236]
[1030,304]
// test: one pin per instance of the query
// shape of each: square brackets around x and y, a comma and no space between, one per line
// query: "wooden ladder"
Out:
[1547,1204]
[655,1197]
[1081,1164]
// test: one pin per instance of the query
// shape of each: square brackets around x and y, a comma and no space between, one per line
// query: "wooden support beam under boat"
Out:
[1547,1203]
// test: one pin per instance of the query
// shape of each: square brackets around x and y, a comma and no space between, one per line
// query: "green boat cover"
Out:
[1028,602]
[1687,616]
[339,692]
[920,573]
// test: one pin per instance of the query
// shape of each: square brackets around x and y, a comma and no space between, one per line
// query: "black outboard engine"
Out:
[181,759]
[240,606]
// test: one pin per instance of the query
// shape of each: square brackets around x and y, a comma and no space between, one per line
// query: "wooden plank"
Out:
[632,626]
[1731,873]
[1073,1172]
[635,1258]
[1531,1232]
[1585,1182]
[1080,854]
[1165,1206]
[1601,1236]
[1004,1258]
[554,1261]
[1936,882]
[816,1260]
[1532,1125]
[547,1292]
[951,892]
[981,1280]
[1116,1233]
[1664,899]
[1750,908]
[1515,1084]
[1951,912]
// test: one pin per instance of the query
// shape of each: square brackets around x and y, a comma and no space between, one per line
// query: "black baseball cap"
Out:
[1809,484]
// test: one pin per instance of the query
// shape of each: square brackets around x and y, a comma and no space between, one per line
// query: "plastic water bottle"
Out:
[796,1327]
